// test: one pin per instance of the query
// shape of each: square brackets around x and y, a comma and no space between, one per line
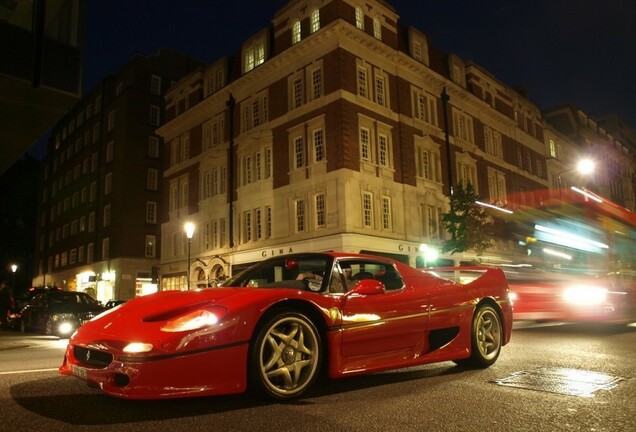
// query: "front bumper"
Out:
[206,372]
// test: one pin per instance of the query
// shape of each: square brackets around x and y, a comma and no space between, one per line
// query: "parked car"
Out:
[15,315]
[58,313]
[112,303]
[274,326]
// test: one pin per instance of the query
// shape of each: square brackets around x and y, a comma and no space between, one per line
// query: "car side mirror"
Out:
[368,287]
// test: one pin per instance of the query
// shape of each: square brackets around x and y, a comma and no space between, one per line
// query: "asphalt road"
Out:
[549,378]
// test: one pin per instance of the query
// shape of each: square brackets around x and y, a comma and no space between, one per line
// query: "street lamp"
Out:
[14,268]
[429,254]
[189,230]
[583,166]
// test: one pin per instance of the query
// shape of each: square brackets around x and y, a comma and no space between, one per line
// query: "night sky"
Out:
[560,51]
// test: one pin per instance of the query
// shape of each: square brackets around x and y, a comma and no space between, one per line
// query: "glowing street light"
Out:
[584,166]
[189,231]
[429,253]
[14,268]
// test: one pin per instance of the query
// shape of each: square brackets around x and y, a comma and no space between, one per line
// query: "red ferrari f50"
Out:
[274,326]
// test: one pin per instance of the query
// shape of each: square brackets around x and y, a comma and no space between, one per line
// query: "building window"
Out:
[152,179]
[90,253]
[463,126]
[108,183]
[150,246]
[427,161]
[315,20]
[380,90]
[297,93]
[316,83]
[386,213]
[363,85]
[155,112]
[367,209]
[319,145]
[111,120]
[377,29]
[383,150]
[365,144]
[299,152]
[247,217]
[553,149]
[91,222]
[253,114]
[155,85]
[151,212]
[254,54]
[321,216]
[425,107]
[496,186]
[153,147]
[300,215]
[106,249]
[109,151]
[258,224]
[107,215]
[296,32]
[359,18]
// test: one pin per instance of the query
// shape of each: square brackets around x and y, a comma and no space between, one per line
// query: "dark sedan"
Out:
[59,313]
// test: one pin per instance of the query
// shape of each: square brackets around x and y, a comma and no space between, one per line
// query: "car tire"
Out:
[24,324]
[285,356]
[48,328]
[486,337]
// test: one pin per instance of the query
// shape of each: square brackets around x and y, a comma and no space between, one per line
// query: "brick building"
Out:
[98,226]
[327,131]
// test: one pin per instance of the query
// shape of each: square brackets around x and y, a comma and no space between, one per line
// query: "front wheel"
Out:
[486,337]
[285,356]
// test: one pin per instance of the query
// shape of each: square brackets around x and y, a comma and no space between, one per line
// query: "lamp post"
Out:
[189,230]
[14,268]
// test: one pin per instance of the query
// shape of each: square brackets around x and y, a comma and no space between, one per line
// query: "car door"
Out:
[385,325]
[37,311]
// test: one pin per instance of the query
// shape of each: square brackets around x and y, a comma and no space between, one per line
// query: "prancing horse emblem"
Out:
[88,355]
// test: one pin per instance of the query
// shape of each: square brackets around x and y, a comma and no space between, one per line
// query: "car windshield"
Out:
[68,298]
[317,273]
[301,271]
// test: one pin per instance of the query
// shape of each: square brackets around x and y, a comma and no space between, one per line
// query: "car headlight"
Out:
[585,295]
[195,320]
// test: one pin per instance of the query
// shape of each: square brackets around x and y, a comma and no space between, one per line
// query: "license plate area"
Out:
[79,372]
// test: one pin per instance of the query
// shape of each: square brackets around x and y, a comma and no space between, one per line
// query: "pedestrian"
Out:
[6,304]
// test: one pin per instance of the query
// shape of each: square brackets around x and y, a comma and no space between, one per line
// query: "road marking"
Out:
[29,371]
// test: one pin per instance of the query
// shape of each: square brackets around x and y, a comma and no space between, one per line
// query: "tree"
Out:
[470,227]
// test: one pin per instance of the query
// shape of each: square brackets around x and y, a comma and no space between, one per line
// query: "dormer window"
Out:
[296,32]
[315,21]
[377,29]
[254,51]
[359,18]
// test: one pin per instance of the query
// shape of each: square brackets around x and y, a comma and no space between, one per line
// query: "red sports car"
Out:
[274,326]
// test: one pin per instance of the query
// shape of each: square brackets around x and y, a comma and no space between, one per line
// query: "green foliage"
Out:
[468,224]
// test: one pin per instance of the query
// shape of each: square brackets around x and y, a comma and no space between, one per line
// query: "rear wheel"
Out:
[486,337]
[285,356]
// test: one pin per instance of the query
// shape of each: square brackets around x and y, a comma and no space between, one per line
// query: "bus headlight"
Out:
[585,295]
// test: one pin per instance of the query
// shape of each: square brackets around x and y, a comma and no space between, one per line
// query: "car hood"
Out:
[141,319]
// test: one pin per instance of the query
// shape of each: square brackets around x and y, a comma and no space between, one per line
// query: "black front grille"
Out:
[92,357]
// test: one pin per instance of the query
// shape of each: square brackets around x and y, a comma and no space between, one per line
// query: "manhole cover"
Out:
[573,382]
